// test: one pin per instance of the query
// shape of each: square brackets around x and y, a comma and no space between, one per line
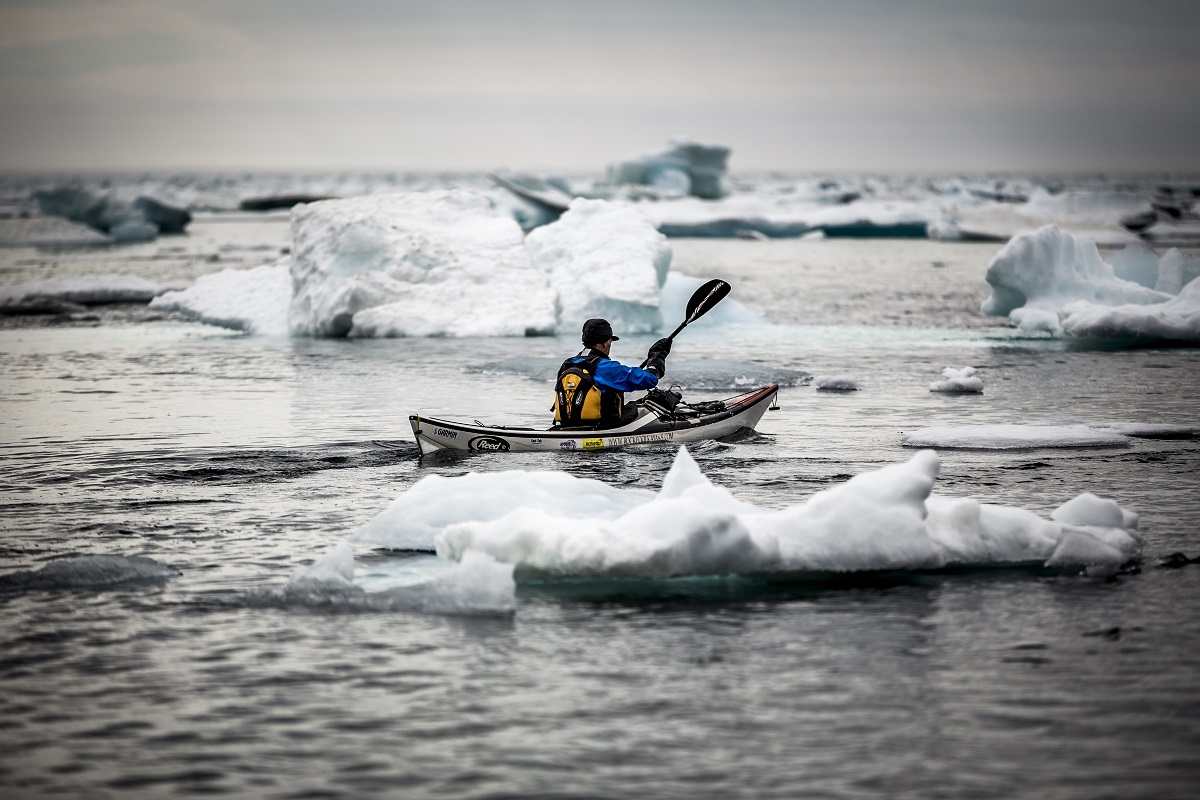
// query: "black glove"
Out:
[655,365]
[661,349]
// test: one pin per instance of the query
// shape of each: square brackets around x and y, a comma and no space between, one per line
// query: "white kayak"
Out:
[661,417]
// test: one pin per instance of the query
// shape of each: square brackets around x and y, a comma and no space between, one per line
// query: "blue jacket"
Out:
[615,375]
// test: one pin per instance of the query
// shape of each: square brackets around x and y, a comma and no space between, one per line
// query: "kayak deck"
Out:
[653,424]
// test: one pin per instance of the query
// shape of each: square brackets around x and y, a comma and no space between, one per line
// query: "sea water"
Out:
[211,466]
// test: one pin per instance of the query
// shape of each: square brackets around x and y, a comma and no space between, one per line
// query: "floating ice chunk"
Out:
[89,571]
[1011,437]
[253,300]
[478,585]
[1087,509]
[1056,282]
[413,520]
[836,383]
[334,568]
[1097,208]
[441,263]
[134,231]
[84,289]
[125,217]
[1177,319]
[962,381]
[683,167]
[604,260]
[887,519]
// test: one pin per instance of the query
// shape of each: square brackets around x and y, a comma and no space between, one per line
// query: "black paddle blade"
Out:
[705,298]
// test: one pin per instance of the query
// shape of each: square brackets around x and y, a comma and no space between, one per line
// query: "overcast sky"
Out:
[901,85]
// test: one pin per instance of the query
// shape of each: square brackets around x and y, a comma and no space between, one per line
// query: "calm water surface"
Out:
[235,460]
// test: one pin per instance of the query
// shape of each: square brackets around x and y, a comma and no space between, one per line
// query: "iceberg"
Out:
[115,212]
[252,300]
[441,263]
[1017,437]
[1056,282]
[882,520]
[604,260]
[836,383]
[684,167]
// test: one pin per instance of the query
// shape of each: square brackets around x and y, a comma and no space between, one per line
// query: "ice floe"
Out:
[84,290]
[93,571]
[1013,437]
[476,586]
[836,383]
[1055,282]
[252,300]
[882,520]
[958,381]
[603,260]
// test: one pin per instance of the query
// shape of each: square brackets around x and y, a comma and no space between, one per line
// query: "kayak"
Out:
[661,417]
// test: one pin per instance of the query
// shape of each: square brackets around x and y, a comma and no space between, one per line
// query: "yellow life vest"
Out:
[577,398]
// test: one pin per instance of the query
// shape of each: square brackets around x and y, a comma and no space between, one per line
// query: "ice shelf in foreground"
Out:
[441,263]
[882,520]
[1055,282]
[603,260]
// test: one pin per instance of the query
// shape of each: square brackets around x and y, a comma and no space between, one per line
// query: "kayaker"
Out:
[590,387]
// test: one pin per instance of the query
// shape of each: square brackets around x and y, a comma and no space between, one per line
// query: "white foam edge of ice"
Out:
[1014,437]
[478,586]
[881,520]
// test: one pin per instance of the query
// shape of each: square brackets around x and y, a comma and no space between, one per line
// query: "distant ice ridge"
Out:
[882,520]
[475,586]
[83,289]
[124,216]
[1014,437]
[252,300]
[1055,282]
[684,167]
[603,260]
[958,381]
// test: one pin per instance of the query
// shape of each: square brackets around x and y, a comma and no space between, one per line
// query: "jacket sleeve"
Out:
[614,375]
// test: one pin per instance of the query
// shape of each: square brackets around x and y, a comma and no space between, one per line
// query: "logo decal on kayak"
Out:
[535,441]
[488,444]
[593,444]
[569,444]
[443,432]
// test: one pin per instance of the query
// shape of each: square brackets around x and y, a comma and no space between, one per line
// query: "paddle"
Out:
[703,300]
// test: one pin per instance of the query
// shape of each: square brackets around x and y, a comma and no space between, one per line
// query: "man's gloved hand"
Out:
[656,365]
[661,348]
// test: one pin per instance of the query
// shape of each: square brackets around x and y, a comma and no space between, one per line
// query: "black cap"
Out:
[598,331]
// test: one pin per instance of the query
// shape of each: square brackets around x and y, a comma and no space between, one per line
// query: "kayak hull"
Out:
[743,411]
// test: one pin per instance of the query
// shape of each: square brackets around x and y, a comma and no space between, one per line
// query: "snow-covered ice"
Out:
[1056,282]
[836,383]
[958,381]
[441,263]
[252,300]
[604,260]
[886,519]
[413,520]
[89,571]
